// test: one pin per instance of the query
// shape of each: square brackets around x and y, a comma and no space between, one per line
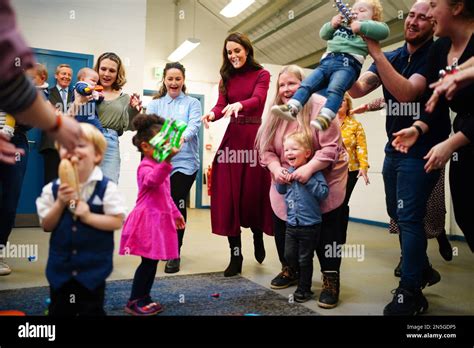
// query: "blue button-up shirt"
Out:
[187,109]
[303,200]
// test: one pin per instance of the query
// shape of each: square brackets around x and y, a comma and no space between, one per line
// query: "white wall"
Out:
[93,27]
[164,32]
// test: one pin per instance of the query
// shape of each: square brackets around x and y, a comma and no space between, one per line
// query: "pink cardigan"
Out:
[329,148]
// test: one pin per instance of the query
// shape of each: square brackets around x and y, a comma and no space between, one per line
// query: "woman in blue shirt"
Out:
[172,102]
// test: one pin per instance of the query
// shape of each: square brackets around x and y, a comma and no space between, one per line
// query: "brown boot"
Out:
[329,296]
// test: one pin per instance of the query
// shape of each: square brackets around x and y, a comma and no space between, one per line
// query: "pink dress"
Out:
[150,229]
[329,148]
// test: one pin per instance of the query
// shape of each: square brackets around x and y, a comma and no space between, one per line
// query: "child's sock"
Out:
[323,121]
[287,111]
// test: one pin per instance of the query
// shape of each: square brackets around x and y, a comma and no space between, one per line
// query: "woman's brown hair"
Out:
[468,10]
[176,65]
[227,69]
[121,80]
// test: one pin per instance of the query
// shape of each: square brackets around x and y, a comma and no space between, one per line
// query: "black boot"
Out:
[236,258]
[329,296]
[173,266]
[259,248]
[406,302]
[445,248]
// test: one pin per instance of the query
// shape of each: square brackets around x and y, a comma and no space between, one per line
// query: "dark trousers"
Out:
[300,243]
[73,299]
[51,165]
[143,279]
[351,182]
[407,189]
[462,191]
[180,186]
[331,233]
[11,181]
[279,230]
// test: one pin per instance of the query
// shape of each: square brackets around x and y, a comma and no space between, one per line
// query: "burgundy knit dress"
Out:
[239,185]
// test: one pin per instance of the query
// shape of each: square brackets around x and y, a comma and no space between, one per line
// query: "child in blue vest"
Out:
[82,238]
[303,223]
[341,64]
[88,79]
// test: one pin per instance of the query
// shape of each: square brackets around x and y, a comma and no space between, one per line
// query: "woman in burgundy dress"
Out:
[239,186]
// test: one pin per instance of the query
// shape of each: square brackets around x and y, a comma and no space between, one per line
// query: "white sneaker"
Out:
[4,268]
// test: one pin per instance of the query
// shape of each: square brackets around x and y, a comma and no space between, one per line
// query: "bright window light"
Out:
[235,7]
[183,50]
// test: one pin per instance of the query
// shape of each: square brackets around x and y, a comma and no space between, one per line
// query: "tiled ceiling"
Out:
[290,31]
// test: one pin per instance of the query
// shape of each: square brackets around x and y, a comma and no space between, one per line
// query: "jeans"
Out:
[407,189]
[337,72]
[300,242]
[111,162]
[11,181]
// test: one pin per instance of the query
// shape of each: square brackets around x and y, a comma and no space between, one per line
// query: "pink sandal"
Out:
[147,310]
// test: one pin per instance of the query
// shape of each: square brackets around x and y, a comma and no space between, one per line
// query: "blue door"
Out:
[34,177]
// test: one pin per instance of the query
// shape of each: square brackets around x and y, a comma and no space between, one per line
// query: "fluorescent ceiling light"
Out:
[183,50]
[235,7]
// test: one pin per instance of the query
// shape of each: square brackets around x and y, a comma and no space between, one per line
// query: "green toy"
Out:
[168,137]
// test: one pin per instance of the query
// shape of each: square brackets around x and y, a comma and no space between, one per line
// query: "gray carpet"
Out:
[187,295]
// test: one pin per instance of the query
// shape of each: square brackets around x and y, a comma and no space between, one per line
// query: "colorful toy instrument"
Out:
[9,127]
[345,11]
[97,88]
[168,137]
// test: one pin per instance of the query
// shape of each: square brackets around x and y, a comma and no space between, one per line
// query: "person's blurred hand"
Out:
[8,151]
[68,134]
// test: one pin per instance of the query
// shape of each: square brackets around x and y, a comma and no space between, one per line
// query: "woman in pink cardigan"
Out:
[330,157]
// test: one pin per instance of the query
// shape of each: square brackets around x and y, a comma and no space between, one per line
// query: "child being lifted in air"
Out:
[341,64]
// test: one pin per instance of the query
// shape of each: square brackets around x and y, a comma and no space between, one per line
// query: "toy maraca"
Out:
[345,11]
[168,137]
[9,127]
[68,175]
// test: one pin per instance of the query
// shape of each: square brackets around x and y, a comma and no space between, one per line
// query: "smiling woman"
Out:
[240,190]
[172,102]
[115,111]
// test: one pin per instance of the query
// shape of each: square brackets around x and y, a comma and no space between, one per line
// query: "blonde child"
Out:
[303,224]
[82,239]
[150,229]
[341,64]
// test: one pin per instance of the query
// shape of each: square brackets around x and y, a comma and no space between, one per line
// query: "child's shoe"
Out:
[152,308]
[321,122]
[302,296]
[287,112]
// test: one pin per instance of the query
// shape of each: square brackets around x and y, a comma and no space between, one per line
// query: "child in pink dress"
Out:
[150,229]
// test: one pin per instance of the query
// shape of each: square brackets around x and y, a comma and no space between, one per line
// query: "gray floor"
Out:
[365,284]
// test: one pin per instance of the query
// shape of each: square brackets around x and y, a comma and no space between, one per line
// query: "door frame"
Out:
[28,219]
